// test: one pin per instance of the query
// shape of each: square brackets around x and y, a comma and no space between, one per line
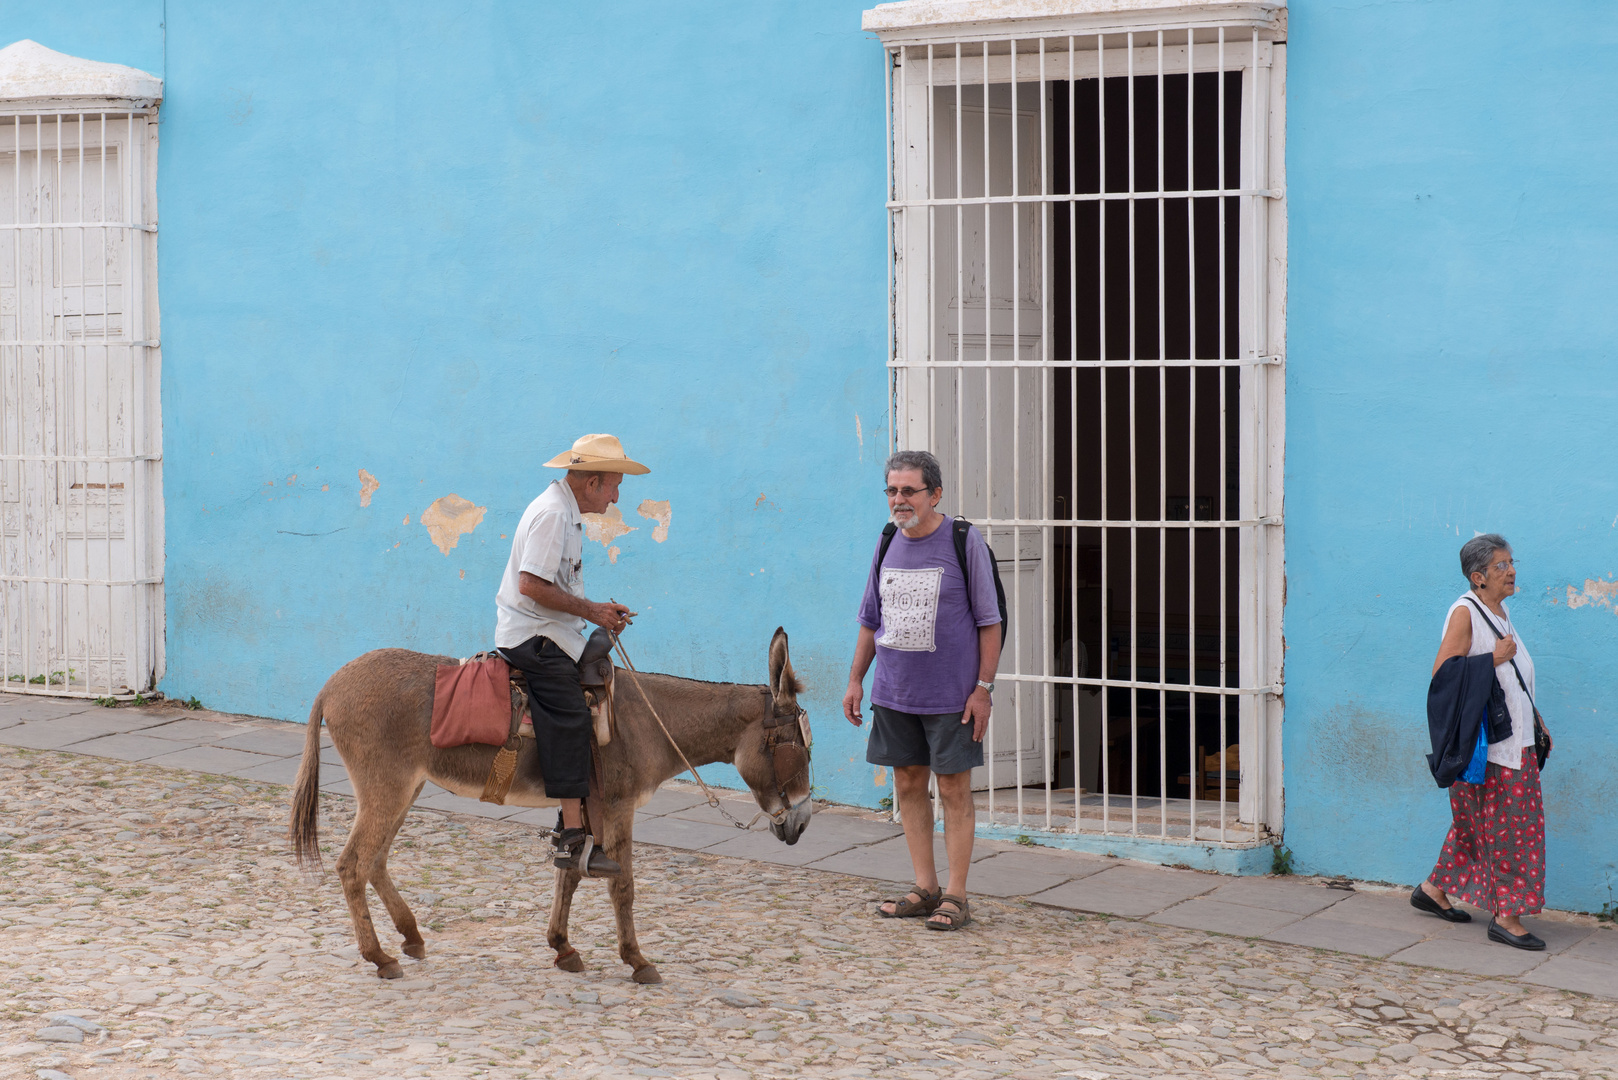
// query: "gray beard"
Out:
[907,523]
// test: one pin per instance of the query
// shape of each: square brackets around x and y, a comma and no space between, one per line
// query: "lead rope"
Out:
[713,800]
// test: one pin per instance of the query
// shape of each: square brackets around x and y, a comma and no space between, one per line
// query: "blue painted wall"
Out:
[437,242]
[1452,185]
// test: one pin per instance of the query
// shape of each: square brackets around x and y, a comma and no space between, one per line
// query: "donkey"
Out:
[379,710]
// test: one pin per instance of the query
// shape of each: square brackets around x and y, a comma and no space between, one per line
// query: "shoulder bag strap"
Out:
[1513,662]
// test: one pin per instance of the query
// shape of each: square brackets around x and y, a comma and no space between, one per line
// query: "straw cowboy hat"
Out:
[597,453]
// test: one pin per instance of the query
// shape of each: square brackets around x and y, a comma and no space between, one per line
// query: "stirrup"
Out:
[576,850]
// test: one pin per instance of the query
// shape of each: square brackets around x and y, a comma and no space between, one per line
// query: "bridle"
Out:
[783,729]
[796,722]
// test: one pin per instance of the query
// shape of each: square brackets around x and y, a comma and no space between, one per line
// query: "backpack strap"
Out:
[888,532]
[959,526]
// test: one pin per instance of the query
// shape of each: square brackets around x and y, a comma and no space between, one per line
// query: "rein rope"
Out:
[713,800]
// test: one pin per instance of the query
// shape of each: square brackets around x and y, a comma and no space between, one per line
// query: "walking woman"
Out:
[1494,856]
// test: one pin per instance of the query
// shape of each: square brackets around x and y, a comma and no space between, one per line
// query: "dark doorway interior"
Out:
[1149,604]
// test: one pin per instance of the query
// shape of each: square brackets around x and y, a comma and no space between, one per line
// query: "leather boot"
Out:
[576,850]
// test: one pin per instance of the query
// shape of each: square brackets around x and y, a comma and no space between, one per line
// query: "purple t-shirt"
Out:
[926,631]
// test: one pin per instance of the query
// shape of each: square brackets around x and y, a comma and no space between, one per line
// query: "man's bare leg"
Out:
[916,812]
[955,793]
[572,815]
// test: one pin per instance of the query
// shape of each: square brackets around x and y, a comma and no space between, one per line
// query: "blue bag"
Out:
[1476,769]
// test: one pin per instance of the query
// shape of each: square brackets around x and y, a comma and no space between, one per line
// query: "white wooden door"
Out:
[80,601]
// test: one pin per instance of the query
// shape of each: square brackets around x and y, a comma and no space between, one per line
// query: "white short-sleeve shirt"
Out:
[548,543]
[1506,753]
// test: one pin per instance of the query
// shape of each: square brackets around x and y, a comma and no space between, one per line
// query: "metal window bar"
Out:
[80,479]
[999,438]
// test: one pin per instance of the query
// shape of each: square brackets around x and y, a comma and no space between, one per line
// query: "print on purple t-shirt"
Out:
[926,631]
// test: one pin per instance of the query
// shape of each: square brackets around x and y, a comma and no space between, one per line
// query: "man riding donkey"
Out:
[540,627]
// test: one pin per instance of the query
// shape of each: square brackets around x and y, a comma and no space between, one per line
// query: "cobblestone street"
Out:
[154,926]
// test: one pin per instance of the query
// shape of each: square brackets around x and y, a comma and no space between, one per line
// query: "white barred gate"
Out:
[81,596]
[1087,294]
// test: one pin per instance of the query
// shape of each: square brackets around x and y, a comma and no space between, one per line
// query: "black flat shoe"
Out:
[1524,940]
[1422,902]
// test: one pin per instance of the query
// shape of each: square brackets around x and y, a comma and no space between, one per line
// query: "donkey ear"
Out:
[784,685]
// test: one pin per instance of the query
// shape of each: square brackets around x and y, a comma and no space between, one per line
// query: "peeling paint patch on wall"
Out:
[368,486]
[656,510]
[1595,591]
[612,554]
[450,518]
[605,528]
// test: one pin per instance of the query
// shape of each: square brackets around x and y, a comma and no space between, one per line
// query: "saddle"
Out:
[466,708]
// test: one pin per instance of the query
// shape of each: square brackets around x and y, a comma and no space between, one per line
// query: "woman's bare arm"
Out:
[1457,638]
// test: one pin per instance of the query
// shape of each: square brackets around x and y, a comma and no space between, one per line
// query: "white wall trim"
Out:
[32,76]
[919,21]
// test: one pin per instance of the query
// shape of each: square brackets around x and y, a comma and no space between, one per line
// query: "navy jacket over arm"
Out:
[1462,694]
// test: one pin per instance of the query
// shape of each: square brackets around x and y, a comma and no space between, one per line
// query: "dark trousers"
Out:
[561,718]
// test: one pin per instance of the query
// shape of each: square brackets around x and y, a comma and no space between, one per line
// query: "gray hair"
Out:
[1476,552]
[932,474]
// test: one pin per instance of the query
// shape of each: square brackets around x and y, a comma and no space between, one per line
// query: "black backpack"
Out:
[960,526]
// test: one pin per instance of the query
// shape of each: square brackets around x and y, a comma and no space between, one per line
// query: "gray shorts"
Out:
[938,740]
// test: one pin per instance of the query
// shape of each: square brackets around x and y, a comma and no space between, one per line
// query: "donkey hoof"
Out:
[569,961]
[416,950]
[390,970]
[647,975]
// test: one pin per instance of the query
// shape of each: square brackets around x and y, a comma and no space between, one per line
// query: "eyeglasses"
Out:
[1505,564]
[907,492]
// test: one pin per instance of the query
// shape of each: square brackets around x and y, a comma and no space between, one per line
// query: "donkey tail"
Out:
[304,829]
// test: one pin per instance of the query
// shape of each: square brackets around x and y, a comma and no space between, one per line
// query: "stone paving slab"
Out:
[58,733]
[1363,939]
[279,743]
[681,833]
[278,771]
[16,708]
[1273,895]
[210,759]
[1573,972]
[995,876]
[1128,891]
[1601,945]
[1477,955]
[1392,909]
[1238,920]
[1054,862]
[668,800]
[764,847]
[189,729]
[124,746]
[886,860]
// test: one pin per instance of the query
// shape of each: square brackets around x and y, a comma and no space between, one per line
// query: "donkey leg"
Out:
[621,888]
[374,825]
[404,920]
[567,957]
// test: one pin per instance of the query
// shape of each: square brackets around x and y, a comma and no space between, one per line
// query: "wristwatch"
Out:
[989,686]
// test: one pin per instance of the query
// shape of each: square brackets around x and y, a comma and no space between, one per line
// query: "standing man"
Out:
[539,628]
[935,637]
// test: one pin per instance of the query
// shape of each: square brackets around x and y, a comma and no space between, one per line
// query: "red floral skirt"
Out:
[1494,855]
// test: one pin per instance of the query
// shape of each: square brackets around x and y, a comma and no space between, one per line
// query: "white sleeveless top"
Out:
[1508,752]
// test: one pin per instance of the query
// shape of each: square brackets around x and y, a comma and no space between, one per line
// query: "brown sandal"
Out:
[906,908]
[951,920]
